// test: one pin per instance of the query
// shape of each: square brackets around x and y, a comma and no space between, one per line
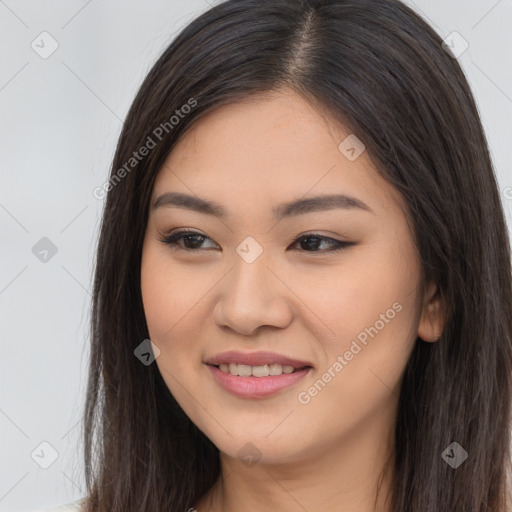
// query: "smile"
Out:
[250,386]
[256,374]
[244,370]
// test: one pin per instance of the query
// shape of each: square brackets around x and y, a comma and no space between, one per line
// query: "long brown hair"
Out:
[381,70]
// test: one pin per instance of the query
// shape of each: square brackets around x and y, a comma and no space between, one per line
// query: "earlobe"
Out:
[430,327]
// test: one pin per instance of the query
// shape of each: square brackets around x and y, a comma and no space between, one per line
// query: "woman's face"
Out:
[299,256]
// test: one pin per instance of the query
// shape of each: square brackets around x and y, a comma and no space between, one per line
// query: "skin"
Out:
[306,303]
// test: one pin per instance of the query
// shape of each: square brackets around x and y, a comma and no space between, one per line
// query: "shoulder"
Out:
[75,506]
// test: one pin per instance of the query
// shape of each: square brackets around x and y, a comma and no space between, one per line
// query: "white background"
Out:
[60,119]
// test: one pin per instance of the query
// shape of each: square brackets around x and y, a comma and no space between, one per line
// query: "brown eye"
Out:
[311,243]
[192,241]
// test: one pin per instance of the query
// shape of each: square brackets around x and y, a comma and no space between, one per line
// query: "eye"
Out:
[192,241]
[313,241]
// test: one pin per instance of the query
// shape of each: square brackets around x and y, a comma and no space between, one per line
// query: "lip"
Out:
[255,359]
[256,387]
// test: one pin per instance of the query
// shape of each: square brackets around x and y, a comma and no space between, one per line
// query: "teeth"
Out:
[244,370]
[275,369]
[260,371]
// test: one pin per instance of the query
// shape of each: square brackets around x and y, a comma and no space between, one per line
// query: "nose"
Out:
[252,296]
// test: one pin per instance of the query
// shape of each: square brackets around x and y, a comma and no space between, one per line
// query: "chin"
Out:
[253,446]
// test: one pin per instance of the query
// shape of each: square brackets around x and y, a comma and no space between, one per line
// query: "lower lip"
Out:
[256,387]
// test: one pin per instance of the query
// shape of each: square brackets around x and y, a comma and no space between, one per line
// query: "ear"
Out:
[431,324]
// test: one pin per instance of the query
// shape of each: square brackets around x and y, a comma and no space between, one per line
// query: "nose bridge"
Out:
[252,296]
[251,280]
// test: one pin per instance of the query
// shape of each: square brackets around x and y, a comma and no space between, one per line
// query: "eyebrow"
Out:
[290,209]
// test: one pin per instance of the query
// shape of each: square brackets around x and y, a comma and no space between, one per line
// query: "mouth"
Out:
[257,374]
[259,371]
[234,361]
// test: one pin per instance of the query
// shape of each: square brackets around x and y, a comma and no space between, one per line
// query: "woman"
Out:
[303,288]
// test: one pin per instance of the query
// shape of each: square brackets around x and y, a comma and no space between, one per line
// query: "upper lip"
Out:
[255,359]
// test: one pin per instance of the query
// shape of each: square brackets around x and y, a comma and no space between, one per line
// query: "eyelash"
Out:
[173,238]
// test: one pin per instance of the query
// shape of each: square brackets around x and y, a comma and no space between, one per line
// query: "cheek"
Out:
[168,294]
[376,320]
[370,305]
[172,306]
[166,304]
[160,304]
[350,297]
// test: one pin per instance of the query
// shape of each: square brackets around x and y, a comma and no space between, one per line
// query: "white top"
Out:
[69,507]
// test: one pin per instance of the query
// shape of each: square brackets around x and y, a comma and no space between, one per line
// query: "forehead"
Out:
[273,146]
